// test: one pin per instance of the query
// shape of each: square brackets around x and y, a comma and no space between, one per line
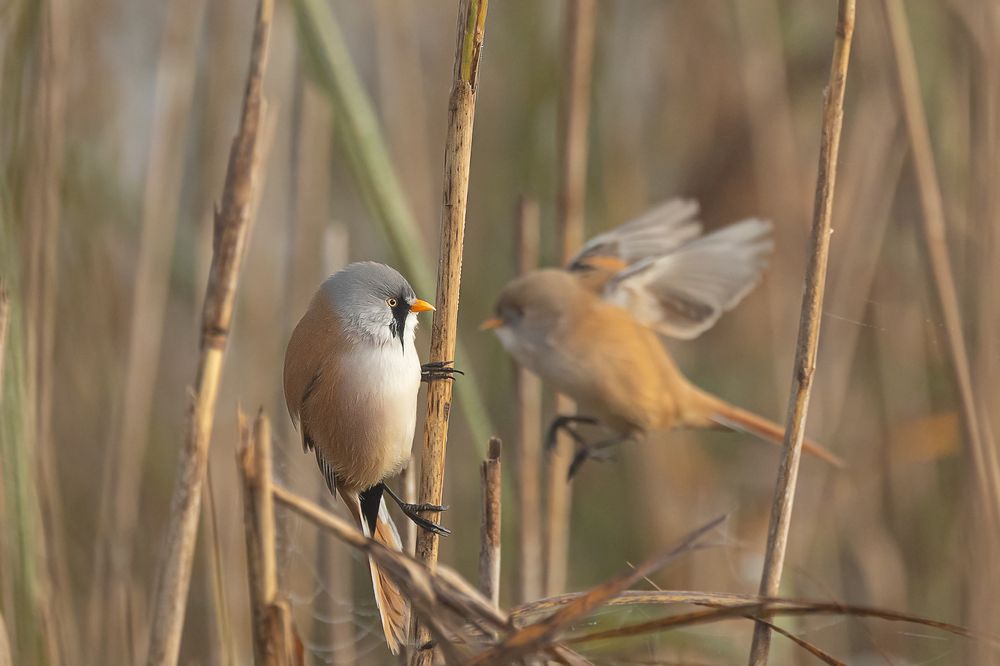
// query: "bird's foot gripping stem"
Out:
[412,511]
[438,370]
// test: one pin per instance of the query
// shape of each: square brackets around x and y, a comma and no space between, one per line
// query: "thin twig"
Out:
[984,457]
[574,116]
[809,323]
[232,222]
[458,155]
[529,431]
[489,535]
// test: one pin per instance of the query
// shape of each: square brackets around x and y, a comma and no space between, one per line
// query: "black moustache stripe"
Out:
[398,326]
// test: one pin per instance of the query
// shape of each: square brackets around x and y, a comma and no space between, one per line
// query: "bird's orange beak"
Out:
[421,306]
[491,323]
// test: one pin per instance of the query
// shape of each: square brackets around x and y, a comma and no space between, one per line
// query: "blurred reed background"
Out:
[116,117]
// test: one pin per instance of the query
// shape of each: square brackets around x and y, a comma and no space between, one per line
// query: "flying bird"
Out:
[592,329]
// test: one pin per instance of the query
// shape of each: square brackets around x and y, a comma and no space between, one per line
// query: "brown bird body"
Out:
[351,380]
[591,331]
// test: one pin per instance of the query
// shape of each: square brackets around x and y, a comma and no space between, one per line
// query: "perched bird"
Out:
[351,380]
[592,330]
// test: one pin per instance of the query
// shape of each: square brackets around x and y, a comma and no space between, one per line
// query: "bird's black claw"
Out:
[438,370]
[427,507]
[565,423]
[598,453]
[430,526]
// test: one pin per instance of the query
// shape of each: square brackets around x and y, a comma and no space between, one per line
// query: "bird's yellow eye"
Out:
[391,302]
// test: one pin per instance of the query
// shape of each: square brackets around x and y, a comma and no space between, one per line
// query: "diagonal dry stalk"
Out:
[458,155]
[232,221]
[985,461]
[574,116]
[536,637]
[458,615]
[808,337]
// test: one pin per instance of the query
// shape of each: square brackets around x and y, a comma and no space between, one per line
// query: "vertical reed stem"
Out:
[574,116]
[489,534]
[529,435]
[809,323]
[232,222]
[254,463]
[984,457]
[458,155]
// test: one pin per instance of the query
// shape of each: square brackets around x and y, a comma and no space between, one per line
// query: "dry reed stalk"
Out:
[458,154]
[489,533]
[123,460]
[809,324]
[983,606]
[574,117]
[529,431]
[224,646]
[42,213]
[5,655]
[985,459]
[232,223]
[275,641]
[4,320]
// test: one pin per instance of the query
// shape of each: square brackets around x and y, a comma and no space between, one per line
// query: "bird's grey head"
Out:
[529,307]
[374,303]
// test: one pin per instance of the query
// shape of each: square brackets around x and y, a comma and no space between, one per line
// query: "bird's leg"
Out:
[598,451]
[564,422]
[411,511]
[436,370]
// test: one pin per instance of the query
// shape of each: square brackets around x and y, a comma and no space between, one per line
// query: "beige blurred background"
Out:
[115,123]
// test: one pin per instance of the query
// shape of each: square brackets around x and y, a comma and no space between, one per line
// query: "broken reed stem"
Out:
[458,154]
[489,533]
[232,221]
[809,323]
[529,431]
[984,457]
[274,638]
[574,115]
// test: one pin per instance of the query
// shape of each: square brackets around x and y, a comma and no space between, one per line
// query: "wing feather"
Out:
[657,232]
[683,293]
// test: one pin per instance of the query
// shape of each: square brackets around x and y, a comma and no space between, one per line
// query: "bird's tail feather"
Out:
[721,413]
[393,607]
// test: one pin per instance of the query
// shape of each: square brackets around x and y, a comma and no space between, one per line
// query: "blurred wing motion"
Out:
[393,607]
[655,233]
[670,277]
